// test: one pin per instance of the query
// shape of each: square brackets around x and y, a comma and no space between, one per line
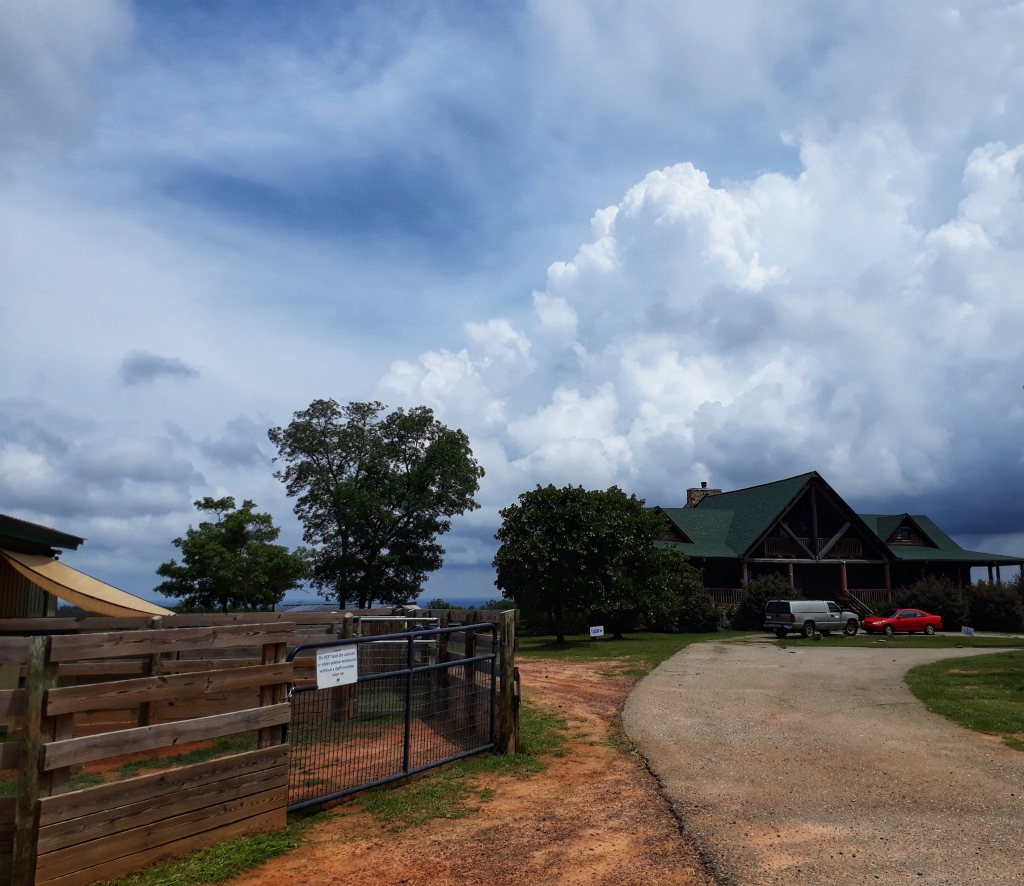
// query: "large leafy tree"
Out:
[373,493]
[232,561]
[570,552]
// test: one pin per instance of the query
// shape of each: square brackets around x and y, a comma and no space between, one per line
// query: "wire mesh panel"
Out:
[419,701]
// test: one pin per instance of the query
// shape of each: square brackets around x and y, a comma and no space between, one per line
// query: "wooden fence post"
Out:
[343,697]
[152,668]
[33,784]
[506,699]
[273,653]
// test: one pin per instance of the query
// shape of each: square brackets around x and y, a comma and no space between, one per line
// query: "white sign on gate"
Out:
[336,667]
[967,632]
[597,631]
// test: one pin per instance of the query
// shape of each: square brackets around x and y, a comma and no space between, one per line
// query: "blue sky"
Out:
[647,244]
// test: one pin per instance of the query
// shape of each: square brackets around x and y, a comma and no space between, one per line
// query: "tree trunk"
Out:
[559,630]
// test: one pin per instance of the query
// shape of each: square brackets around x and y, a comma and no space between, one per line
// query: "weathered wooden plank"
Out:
[506,699]
[10,754]
[274,820]
[191,665]
[14,650]
[123,668]
[7,807]
[91,624]
[191,709]
[107,823]
[128,693]
[63,729]
[32,784]
[300,618]
[162,735]
[12,702]
[154,788]
[72,625]
[95,852]
[88,647]
[271,694]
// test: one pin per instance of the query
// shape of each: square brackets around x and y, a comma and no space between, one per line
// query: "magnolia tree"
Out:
[572,552]
[373,493]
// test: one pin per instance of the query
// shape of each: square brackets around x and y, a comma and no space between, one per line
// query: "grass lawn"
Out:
[905,641]
[643,651]
[985,693]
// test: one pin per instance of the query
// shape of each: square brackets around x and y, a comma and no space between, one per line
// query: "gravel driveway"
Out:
[819,766]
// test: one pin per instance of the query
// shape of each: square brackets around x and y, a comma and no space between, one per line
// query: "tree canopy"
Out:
[232,562]
[373,493]
[570,552]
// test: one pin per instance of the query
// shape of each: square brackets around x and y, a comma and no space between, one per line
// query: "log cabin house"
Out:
[802,529]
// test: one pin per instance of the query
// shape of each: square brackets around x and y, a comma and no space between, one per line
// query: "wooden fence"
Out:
[99,693]
[67,838]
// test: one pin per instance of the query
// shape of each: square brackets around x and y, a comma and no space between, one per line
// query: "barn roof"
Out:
[34,537]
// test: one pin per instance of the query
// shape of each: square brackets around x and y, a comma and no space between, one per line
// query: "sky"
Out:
[645,244]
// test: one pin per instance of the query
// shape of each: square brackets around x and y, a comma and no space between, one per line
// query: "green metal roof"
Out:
[700,550]
[703,527]
[33,533]
[727,524]
[753,509]
[883,525]
[945,548]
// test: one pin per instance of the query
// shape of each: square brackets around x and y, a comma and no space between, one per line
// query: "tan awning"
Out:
[78,588]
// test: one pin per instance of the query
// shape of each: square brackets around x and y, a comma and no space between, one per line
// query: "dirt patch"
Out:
[594,817]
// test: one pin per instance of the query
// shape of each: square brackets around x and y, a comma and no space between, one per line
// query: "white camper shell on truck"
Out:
[806,617]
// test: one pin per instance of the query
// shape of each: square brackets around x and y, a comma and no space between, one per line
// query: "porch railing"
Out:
[844,549]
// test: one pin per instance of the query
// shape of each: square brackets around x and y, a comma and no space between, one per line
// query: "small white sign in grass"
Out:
[596,631]
[966,631]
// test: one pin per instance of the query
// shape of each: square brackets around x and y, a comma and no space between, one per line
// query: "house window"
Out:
[905,534]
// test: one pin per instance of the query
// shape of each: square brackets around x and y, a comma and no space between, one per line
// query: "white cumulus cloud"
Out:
[766,327]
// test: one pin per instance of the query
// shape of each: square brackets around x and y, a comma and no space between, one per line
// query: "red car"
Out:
[902,621]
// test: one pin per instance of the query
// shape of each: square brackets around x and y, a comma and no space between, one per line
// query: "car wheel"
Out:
[808,630]
[780,633]
[929,629]
[851,628]
[889,631]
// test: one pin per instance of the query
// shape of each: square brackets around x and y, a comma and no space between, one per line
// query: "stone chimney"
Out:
[695,496]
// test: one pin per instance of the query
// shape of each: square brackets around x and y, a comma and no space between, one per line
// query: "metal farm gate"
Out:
[423,697]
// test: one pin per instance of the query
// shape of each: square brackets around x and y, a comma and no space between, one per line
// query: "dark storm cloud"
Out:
[141,368]
[240,445]
[52,463]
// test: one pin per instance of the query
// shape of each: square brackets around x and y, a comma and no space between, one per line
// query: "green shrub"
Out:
[938,596]
[749,613]
[698,614]
[996,607]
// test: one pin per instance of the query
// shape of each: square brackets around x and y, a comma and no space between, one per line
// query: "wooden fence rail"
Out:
[53,837]
[100,688]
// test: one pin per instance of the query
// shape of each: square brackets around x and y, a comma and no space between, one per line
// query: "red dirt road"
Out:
[594,817]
